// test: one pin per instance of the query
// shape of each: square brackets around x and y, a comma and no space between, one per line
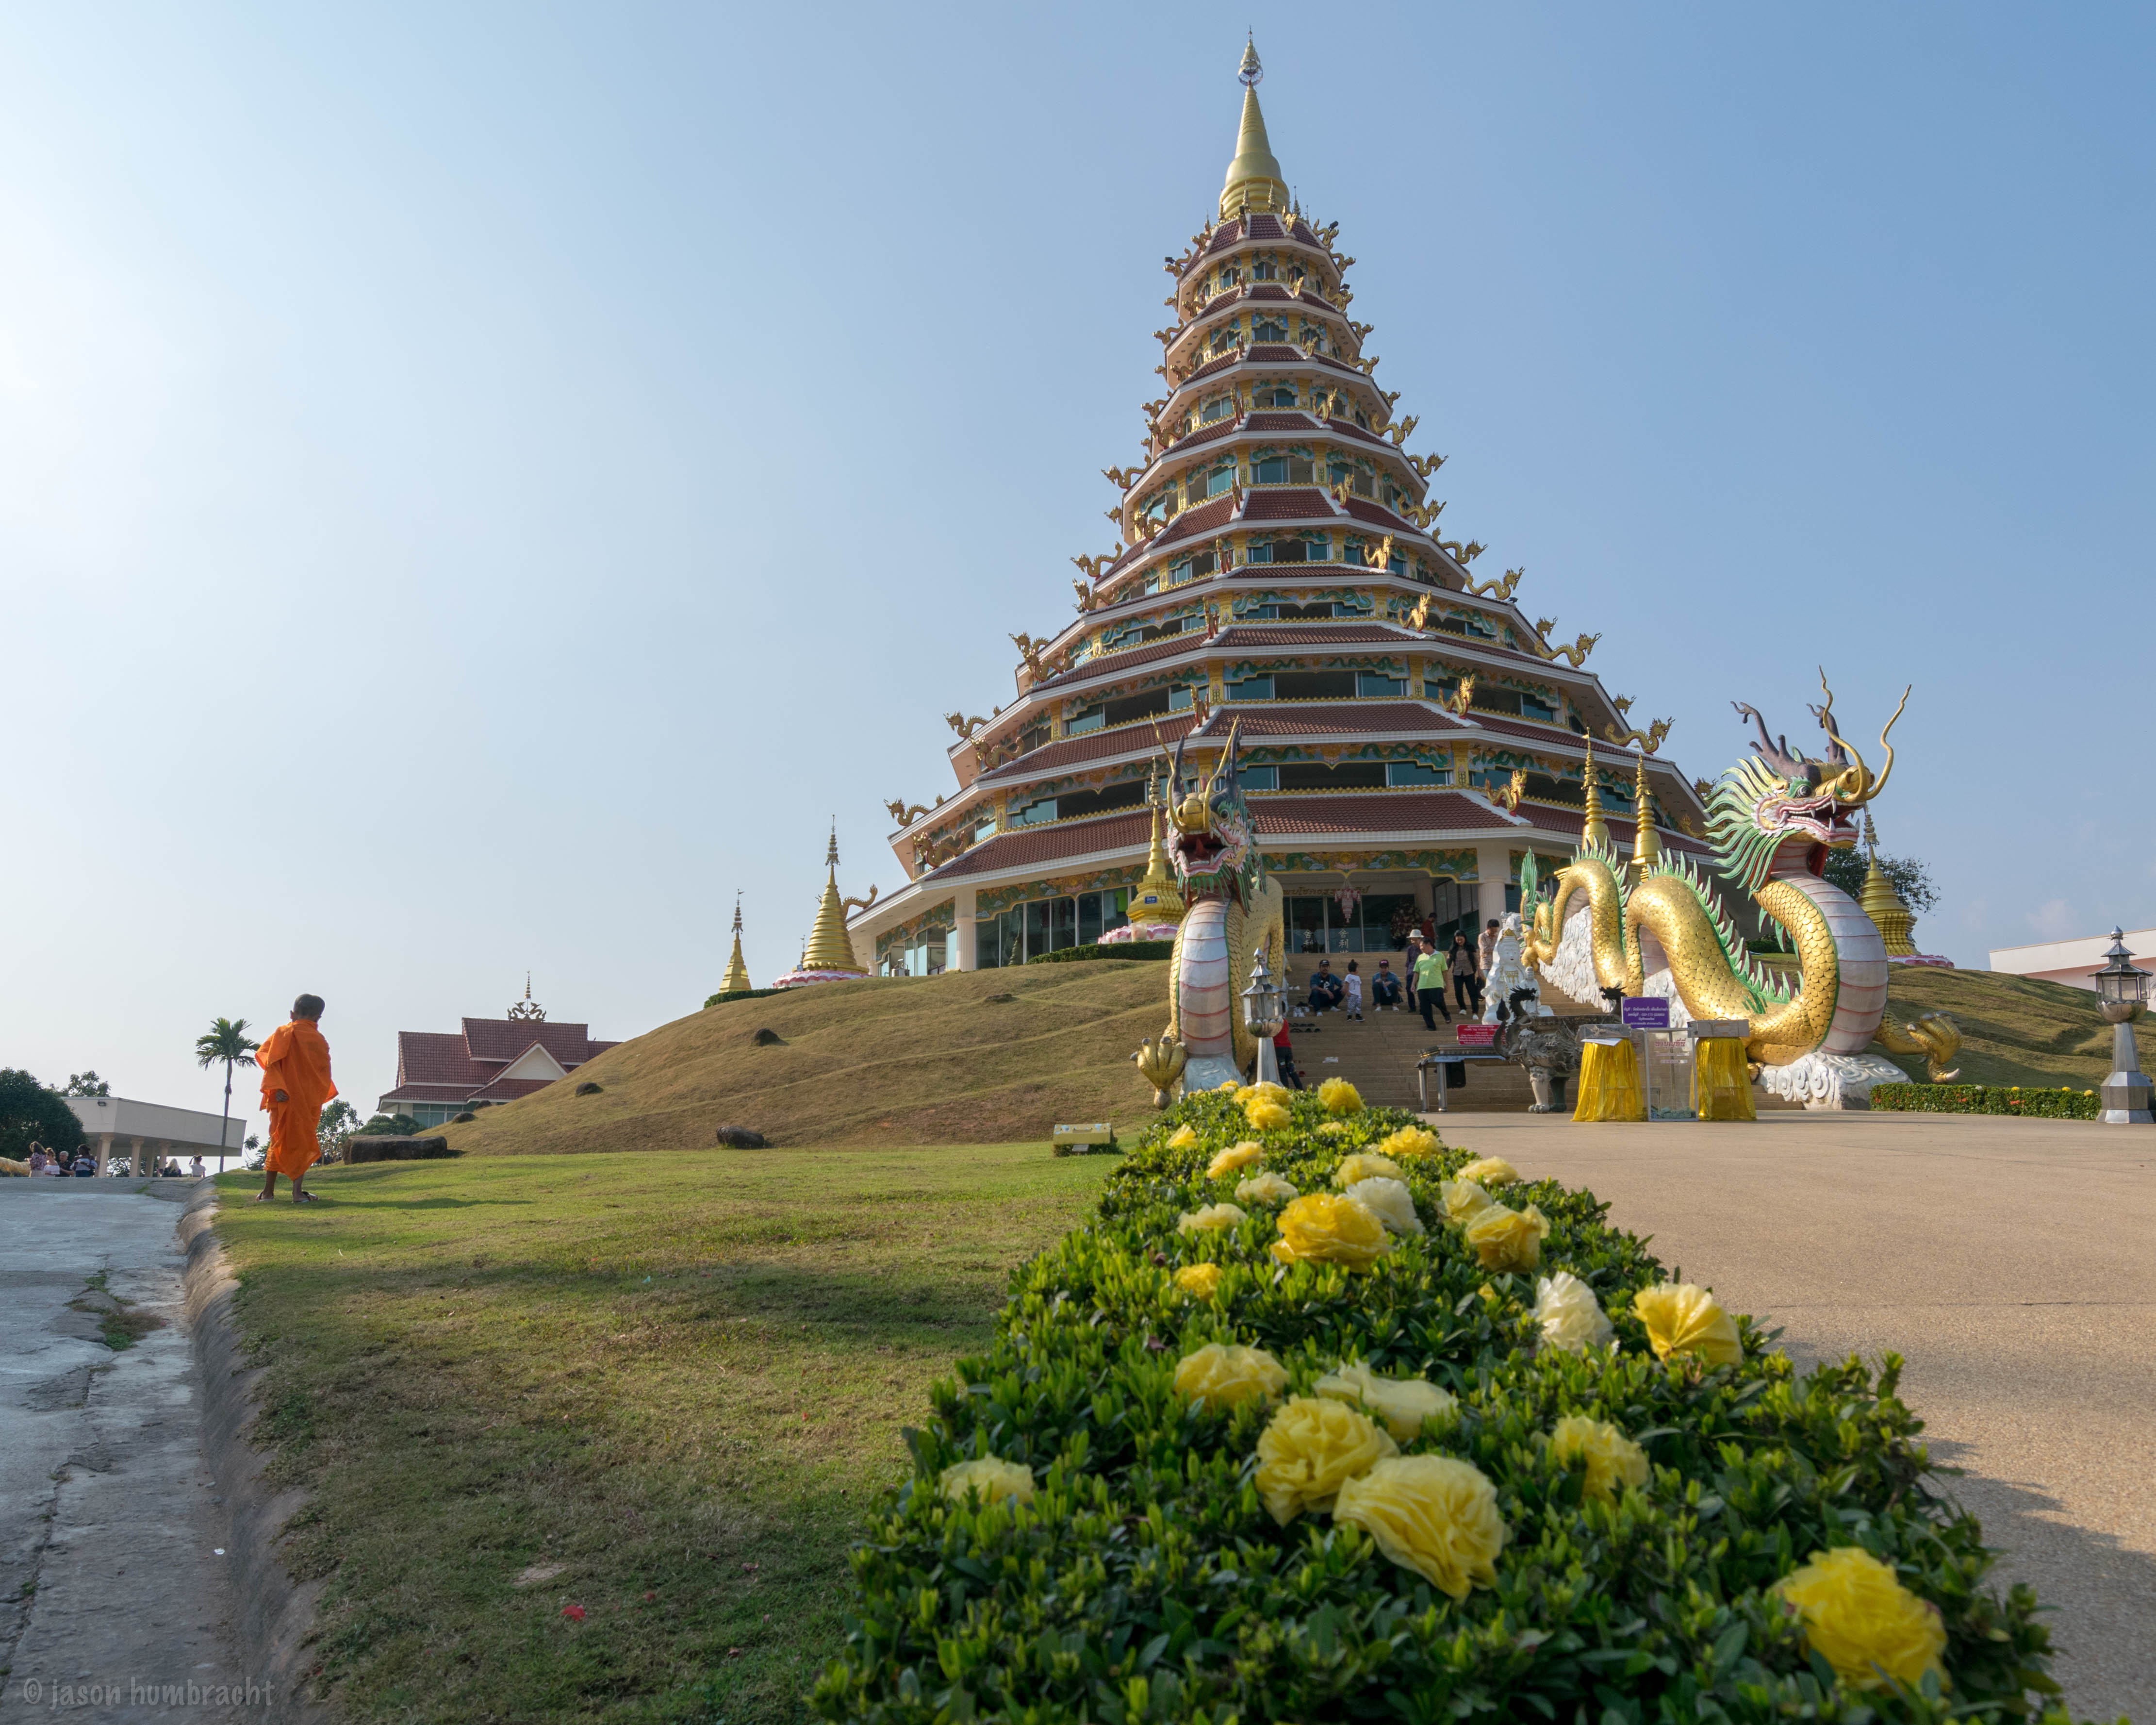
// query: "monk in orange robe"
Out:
[295,1085]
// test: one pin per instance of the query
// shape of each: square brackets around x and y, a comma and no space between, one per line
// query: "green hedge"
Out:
[1987,1099]
[1121,949]
[744,994]
[1146,1581]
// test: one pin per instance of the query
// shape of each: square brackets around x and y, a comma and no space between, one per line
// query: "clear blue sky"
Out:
[480,484]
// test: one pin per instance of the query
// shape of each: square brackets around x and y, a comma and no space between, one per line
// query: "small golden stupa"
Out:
[1883,905]
[1646,842]
[1155,898]
[829,956]
[1594,831]
[736,980]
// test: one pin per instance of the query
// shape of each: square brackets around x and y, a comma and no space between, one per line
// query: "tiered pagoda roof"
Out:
[1281,562]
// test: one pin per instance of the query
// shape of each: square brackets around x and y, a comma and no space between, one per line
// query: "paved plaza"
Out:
[2012,1263]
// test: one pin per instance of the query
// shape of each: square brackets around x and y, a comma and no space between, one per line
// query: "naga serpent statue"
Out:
[1772,820]
[1234,910]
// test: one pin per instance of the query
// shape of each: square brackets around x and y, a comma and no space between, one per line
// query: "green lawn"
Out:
[670,1381]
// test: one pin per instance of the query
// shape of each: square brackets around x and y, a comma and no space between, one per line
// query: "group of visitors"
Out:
[1465,964]
[83,1166]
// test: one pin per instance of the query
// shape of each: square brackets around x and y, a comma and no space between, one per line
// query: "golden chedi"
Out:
[1883,905]
[829,956]
[736,980]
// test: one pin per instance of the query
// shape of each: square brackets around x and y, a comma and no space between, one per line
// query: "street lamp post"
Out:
[2123,991]
[1264,1010]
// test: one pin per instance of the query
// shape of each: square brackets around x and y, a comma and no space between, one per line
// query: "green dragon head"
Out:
[1783,799]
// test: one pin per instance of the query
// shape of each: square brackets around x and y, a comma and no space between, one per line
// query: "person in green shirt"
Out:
[1429,974]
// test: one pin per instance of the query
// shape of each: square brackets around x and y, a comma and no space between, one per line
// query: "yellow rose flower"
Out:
[1225,1374]
[993,1478]
[1613,1459]
[1860,1620]
[1462,1198]
[1234,1157]
[1267,1091]
[1184,1137]
[1330,1230]
[1506,1238]
[1433,1514]
[1230,1084]
[1366,1166]
[1683,1319]
[1334,1128]
[1265,1188]
[1201,1281]
[1409,1140]
[1309,1449]
[1392,1201]
[1489,1171]
[1211,1219]
[1267,1117]
[1570,1317]
[1403,1403]
[1340,1096]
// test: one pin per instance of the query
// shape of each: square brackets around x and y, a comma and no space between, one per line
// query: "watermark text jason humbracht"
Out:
[143,1692]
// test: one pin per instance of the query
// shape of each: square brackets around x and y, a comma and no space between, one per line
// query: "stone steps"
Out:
[1377,1055]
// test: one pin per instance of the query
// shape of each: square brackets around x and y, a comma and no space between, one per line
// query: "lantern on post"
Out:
[2123,994]
[1264,1010]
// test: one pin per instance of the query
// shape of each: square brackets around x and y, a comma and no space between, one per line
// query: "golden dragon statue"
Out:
[1772,820]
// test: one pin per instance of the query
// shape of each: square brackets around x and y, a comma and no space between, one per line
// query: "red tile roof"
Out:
[1376,514]
[1206,433]
[1118,662]
[1210,367]
[1297,421]
[504,1038]
[1206,518]
[1270,353]
[1349,427]
[436,1057]
[1304,719]
[1375,812]
[1269,290]
[1095,746]
[448,1066]
[1312,635]
[1032,848]
[507,1090]
[1533,732]
[1269,505]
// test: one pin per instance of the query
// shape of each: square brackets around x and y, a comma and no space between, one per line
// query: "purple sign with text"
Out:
[1645,1012]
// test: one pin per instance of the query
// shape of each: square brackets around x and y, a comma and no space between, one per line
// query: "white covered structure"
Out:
[121,1126]
[2074,963]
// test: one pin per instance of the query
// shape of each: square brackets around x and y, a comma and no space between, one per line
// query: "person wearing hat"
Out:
[1326,988]
[1385,987]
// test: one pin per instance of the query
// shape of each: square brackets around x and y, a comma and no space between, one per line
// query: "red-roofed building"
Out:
[442,1074]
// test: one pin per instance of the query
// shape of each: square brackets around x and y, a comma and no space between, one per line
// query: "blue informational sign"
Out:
[1645,1012]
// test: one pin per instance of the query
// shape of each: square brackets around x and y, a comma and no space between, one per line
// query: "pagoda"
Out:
[828,955]
[736,980]
[1408,735]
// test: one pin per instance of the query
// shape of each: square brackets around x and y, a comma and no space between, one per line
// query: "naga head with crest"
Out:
[1213,846]
[1782,797]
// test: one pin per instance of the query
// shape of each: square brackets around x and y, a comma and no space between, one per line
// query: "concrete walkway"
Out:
[115,1603]
[2012,1263]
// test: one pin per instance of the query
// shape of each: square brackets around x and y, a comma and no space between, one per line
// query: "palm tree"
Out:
[226,1039]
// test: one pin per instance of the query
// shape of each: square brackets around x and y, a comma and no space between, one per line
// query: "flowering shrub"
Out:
[1987,1099]
[1393,1483]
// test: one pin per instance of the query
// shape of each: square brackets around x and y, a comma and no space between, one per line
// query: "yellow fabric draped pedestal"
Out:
[1609,1083]
[1723,1085]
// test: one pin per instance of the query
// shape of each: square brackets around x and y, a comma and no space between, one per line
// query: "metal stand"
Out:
[2125,1094]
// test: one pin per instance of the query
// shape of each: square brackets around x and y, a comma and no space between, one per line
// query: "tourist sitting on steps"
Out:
[1385,987]
[1325,988]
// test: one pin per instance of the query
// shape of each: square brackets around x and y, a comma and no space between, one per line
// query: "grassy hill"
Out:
[979,1057]
[999,1056]
[2014,1030]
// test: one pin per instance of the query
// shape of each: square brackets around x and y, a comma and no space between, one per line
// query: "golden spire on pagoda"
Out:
[830,948]
[736,980]
[1594,834]
[1155,898]
[1647,842]
[1254,176]
[1895,921]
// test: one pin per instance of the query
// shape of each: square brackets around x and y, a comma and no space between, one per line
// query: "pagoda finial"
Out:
[831,852]
[1594,833]
[736,980]
[527,1008]
[830,948]
[1255,182]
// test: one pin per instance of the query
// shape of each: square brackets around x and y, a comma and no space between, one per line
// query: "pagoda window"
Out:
[1218,482]
[1194,567]
[1151,583]
[1091,718]
[1225,339]
[1257,613]
[1453,625]
[1347,776]
[1264,269]
[1316,608]
[1399,774]
[1312,336]
[1530,707]
[1279,396]
[1154,631]
[1131,708]
[1249,689]
[1229,275]
[1268,329]
[1036,737]
[1313,685]
[1216,409]
[1375,685]
[1259,778]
